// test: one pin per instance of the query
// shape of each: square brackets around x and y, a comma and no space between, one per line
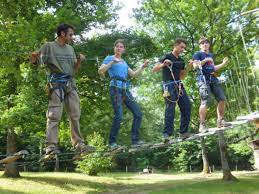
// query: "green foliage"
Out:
[24,26]
[27,24]
[142,162]
[94,163]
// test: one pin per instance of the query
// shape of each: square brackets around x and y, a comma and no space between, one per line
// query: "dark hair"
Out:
[179,41]
[64,28]
[120,41]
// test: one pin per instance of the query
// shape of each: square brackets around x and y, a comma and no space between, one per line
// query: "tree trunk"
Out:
[11,170]
[255,146]
[205,159]
[227,175]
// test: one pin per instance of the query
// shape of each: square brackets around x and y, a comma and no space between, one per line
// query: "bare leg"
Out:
[221,109]
[202,113]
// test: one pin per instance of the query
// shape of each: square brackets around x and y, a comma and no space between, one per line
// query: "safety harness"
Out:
[125,86]
[177,84]
[59,81]
[212,74]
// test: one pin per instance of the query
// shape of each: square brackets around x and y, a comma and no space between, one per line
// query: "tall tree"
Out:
[167,19]
[24,26]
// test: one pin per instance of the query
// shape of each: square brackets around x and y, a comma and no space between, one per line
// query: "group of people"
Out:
[62,64]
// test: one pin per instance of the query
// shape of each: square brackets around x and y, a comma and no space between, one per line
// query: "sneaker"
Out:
[222,123]
[166,138]
[203,128]
[139,144]
[115,146]
[84,149]
[186,135]
[52,149]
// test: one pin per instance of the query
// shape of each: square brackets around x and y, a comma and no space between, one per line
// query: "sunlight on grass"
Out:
[58,182]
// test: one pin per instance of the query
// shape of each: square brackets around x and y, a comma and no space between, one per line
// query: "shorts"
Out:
[205,91]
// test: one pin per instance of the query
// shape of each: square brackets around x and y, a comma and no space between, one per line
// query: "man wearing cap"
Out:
[208,83]
[173,71]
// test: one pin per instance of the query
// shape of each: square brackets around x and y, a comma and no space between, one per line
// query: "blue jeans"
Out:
[185,109]
[118,96]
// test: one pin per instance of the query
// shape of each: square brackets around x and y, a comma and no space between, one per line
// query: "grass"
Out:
[193,183]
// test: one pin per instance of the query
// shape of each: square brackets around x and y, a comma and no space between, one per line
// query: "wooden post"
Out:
[11,170]
[40,166]
[56,163]
[255,146]
[227,175]
[256,124]
[205,159]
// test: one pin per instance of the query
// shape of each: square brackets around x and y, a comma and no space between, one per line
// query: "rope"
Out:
[176,86]
[104,153]
[58,57]
[242,84]
[246,50]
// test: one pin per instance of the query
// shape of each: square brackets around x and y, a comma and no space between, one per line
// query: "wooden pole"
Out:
[227,175]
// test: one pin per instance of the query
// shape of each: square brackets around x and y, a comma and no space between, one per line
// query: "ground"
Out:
[60,182]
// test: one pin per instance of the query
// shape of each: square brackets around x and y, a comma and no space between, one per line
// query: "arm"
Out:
[79,60]
[139,70]
[158,66]
[34,57]
[224,62]
[196,63]
[184,72]
[41,55]
[104,67]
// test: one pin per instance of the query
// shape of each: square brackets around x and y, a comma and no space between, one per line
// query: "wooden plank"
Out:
[211,131]
[256,123]
[251,117]
[14,157]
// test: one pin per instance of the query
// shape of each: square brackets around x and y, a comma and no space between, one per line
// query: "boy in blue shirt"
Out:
[209,84]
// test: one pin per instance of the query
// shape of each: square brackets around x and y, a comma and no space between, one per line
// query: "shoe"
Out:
[139,144]
[115,146]
[84,149]
[52,149]
[203,128]
[166,138]
[186,135]
[222,123]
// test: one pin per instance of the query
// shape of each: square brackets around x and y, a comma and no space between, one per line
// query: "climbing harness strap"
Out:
[59,81]
[119,83]
[177,84]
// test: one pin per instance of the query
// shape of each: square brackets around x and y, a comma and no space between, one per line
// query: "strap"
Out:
[60,82]
[56,78]
[178,87]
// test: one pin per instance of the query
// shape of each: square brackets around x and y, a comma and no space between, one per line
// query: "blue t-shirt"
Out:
[207,68]
[119,71]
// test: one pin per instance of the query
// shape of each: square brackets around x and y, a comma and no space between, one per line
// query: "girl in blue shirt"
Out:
[119,71]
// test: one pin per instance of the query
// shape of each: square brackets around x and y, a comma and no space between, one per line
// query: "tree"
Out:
[29,24]
[166,20]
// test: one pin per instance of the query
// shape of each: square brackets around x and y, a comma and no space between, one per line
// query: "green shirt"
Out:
[58,59]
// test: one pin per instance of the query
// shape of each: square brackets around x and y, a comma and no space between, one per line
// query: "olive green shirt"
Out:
[58,59]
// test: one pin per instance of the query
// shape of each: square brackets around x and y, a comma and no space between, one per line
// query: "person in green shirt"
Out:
[61,65]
